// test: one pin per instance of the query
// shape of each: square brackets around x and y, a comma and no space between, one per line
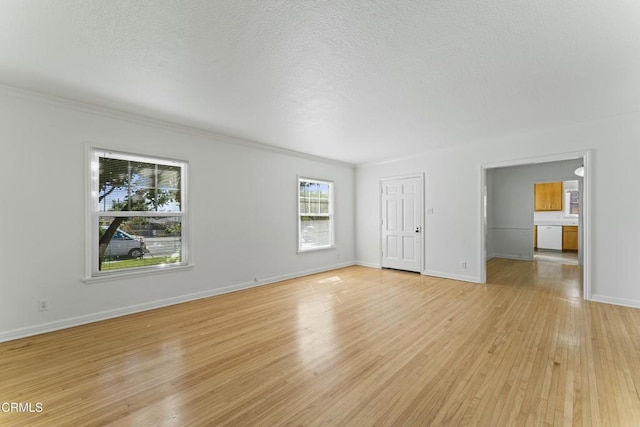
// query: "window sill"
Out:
[107,277]
[324,248]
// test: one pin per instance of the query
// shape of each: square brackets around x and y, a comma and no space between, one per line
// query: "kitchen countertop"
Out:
[557,222]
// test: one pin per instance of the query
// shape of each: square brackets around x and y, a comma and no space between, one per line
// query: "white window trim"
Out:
[331,214]
[92,274]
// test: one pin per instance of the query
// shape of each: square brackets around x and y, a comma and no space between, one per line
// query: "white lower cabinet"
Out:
[550,237]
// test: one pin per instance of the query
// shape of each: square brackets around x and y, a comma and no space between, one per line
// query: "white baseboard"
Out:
[368,264]
[509,256]
[615,301]
[460,277]
[109,314]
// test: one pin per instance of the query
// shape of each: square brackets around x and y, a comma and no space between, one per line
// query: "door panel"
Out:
[392,215]
[402,224]
[392,247]
[409,248]
[408,215]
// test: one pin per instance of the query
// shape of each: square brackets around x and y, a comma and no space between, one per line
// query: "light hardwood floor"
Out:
[355,346]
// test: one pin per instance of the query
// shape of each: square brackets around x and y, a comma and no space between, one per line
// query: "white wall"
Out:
[452,233]
[243,212]
[243,202]
[451,190]
[510,218]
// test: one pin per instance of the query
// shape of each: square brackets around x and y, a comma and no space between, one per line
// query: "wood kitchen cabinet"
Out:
[548,196]
[570,238]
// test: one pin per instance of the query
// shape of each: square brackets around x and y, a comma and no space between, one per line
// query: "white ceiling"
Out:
[352,80]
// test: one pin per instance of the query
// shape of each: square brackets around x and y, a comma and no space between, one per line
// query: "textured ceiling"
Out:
[356,80]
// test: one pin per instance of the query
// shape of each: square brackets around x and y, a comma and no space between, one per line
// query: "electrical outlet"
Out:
[463,264]
[43,304]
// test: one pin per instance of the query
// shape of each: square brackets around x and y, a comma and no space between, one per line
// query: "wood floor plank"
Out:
[355,346]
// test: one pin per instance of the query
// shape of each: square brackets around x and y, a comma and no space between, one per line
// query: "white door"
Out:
[401,208]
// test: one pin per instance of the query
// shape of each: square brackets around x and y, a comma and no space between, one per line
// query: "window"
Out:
[137,213]
[572,203]
[315,214]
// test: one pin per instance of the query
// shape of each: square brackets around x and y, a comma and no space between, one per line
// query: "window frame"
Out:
[93,215]
[568,204]
[330,215]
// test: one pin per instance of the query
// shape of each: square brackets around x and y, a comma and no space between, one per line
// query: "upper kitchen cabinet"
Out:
[548,196]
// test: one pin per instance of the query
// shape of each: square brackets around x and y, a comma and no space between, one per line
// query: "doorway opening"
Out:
[502,236]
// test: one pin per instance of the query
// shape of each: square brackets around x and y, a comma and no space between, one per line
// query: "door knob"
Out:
[417,229]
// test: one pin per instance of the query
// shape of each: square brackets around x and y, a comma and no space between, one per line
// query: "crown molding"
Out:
[147,120]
